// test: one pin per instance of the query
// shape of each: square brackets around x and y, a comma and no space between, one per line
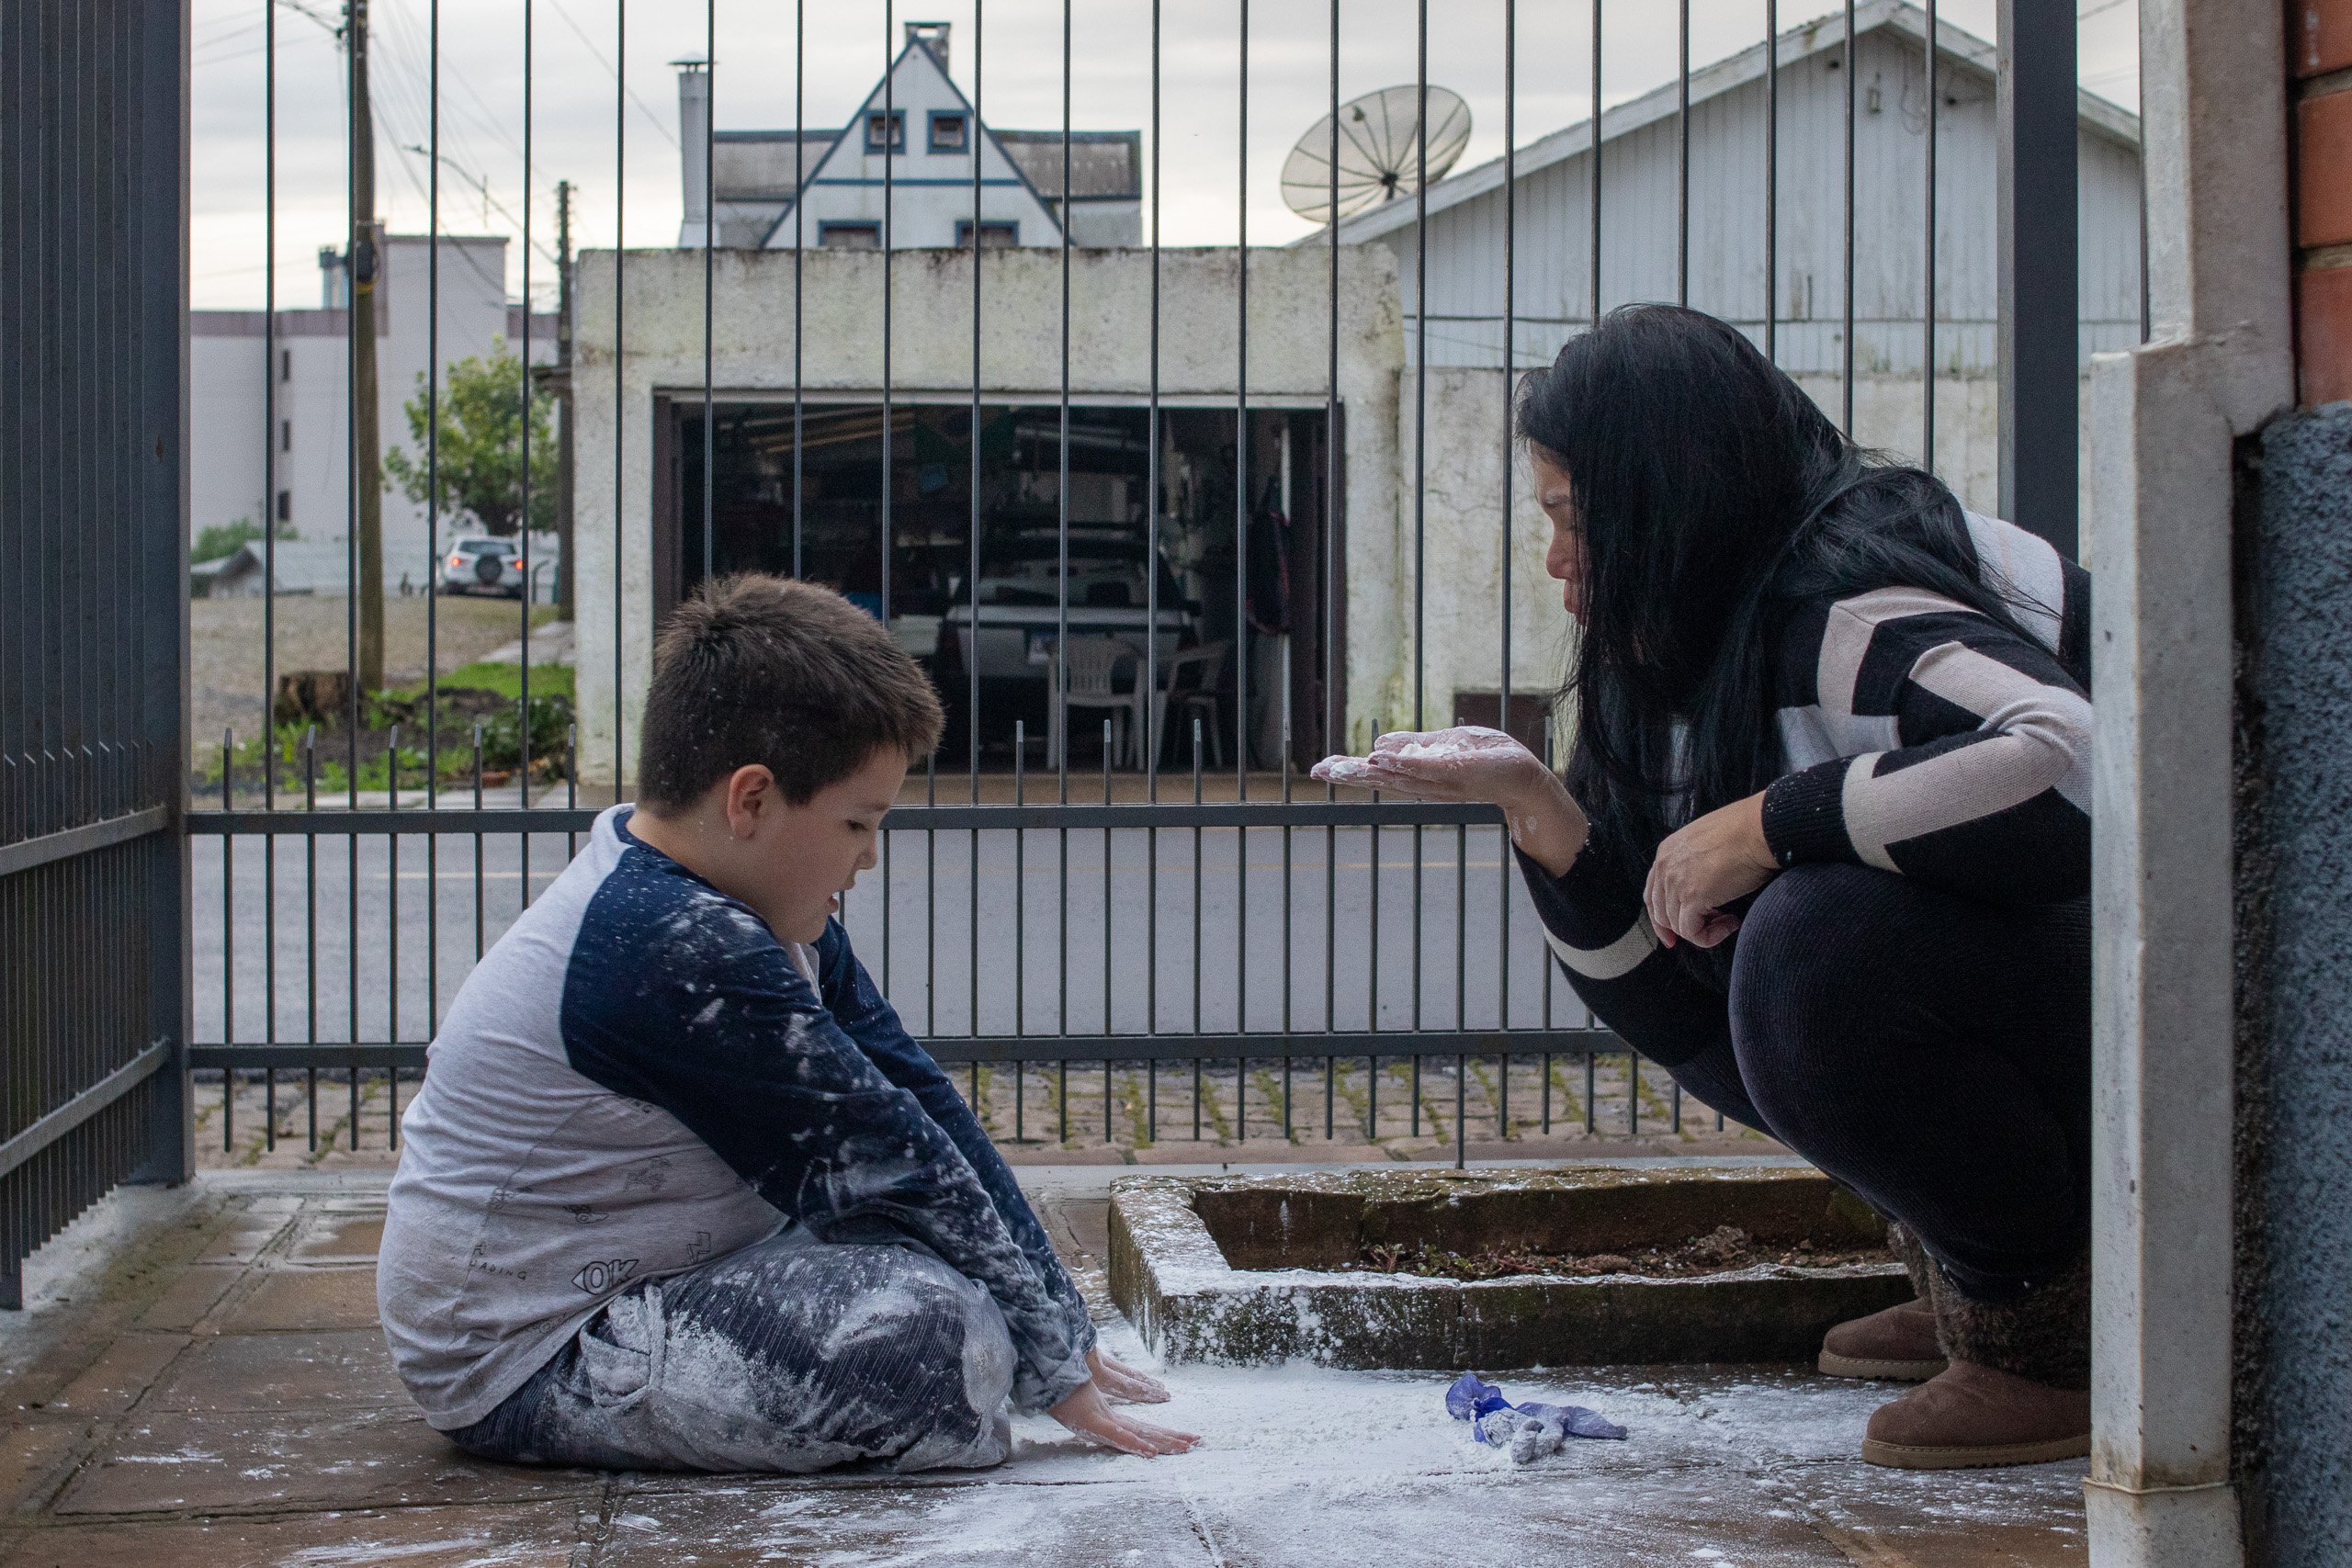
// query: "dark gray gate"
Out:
[312,960]
[93,997]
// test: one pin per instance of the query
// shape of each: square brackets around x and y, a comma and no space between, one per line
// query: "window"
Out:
[285,364]
[285,506]
[948,131]
[286,435]
[850,236]
[891,126]
[992,235]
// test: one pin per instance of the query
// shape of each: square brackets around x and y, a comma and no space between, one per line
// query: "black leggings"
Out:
[1930,1051]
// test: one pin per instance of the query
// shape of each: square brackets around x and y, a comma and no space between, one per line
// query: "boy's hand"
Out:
[1121,1382]
[1086,1413]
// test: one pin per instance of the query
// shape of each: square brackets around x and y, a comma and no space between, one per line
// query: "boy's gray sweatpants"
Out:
[793,1354]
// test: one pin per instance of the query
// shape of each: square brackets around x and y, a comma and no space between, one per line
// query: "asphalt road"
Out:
[1041,944]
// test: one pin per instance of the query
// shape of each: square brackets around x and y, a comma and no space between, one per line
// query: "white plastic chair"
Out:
[1189,681]
[1093,663]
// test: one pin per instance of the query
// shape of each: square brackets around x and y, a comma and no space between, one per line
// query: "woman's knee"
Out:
[1811,972]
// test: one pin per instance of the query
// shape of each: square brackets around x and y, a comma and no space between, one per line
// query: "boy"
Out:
[679,1192]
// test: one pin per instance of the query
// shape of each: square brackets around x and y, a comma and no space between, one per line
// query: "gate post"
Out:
[2040,331]
[159,173]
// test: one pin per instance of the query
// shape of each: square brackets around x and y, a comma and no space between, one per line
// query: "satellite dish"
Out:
[1380,151]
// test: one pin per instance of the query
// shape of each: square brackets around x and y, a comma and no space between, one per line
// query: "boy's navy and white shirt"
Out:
[640,1079]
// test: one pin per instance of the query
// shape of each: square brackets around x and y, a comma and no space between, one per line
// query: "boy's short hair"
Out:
[783,673]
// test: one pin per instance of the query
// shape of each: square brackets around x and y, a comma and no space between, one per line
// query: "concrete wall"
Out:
[1021,355]
[2294,1290]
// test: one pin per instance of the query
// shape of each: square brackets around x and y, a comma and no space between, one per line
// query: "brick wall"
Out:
[2319,56]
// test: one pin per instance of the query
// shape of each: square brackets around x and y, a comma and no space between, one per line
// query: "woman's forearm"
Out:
[1546,824]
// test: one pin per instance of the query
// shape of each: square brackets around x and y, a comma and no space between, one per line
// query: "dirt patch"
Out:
[1723,1250]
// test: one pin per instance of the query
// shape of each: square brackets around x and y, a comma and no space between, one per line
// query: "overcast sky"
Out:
[577,97]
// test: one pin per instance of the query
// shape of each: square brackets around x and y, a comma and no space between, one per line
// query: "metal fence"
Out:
[93,573]
[1203,951]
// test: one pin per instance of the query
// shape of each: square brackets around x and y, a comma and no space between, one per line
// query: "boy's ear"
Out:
[751,792]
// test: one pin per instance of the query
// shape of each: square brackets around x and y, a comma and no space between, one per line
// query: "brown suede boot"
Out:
[1896,1345]
[2018,1390]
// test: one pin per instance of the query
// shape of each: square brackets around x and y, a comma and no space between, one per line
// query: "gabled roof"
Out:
[1822,36]
[873,101]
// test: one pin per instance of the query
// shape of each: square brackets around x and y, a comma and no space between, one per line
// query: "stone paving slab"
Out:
[325,1370]
[199,1379]
[546,1535]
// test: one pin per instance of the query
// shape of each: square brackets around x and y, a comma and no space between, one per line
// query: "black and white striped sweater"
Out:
[1916,736]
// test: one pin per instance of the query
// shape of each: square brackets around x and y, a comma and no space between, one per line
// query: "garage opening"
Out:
[1223,606]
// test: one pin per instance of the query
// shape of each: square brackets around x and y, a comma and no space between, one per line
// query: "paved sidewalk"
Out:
[198,1378]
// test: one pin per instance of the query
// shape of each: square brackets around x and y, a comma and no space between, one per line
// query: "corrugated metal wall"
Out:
[1727,255]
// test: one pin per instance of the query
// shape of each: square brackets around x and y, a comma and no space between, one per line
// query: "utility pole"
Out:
[563,398]
[366,266]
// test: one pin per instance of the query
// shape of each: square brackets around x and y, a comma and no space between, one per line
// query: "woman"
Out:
[1822,845]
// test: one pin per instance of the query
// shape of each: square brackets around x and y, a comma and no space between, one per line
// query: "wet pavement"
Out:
[198,1378]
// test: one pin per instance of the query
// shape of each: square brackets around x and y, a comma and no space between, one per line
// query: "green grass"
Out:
[506,680]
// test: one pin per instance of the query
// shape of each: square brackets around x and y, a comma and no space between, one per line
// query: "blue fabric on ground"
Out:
[1472,1399]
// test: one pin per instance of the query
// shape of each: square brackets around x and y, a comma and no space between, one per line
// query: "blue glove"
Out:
[1529,1431]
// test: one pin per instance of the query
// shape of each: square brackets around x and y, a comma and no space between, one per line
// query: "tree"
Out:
[479,453]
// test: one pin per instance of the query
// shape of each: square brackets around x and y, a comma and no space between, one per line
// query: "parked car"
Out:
[1020,615]
[483,566]
[1020,609]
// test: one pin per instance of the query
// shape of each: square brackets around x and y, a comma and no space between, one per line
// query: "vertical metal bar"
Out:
[270,439]
[931,898]
[523,697]
[1592,183]
[1243,627]
[310,918]
[1932,50]
[432,522]
[1061,603]
[620,385]
[1155,709]
[1510,308]
[1020,906]
[2041,331]
[1334,705]
[1846,340]
[1772,180]
[1196,928]
[1241,516]
[709,259]
[1683,158]
[893,138]
[799,242]
[228,935]
[973,139]
[1106,933]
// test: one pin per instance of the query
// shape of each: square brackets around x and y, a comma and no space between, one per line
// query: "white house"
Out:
[1553,285]
[235,452]
[915,135]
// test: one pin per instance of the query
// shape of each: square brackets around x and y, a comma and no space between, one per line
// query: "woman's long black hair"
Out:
[1711,495]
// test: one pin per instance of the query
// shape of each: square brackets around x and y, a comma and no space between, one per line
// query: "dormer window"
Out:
[886,131]
[948,132]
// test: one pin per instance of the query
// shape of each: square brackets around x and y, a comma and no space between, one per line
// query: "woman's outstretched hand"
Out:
[1123,1382]
[1473,763]
[1715,860]
[1088,1413]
